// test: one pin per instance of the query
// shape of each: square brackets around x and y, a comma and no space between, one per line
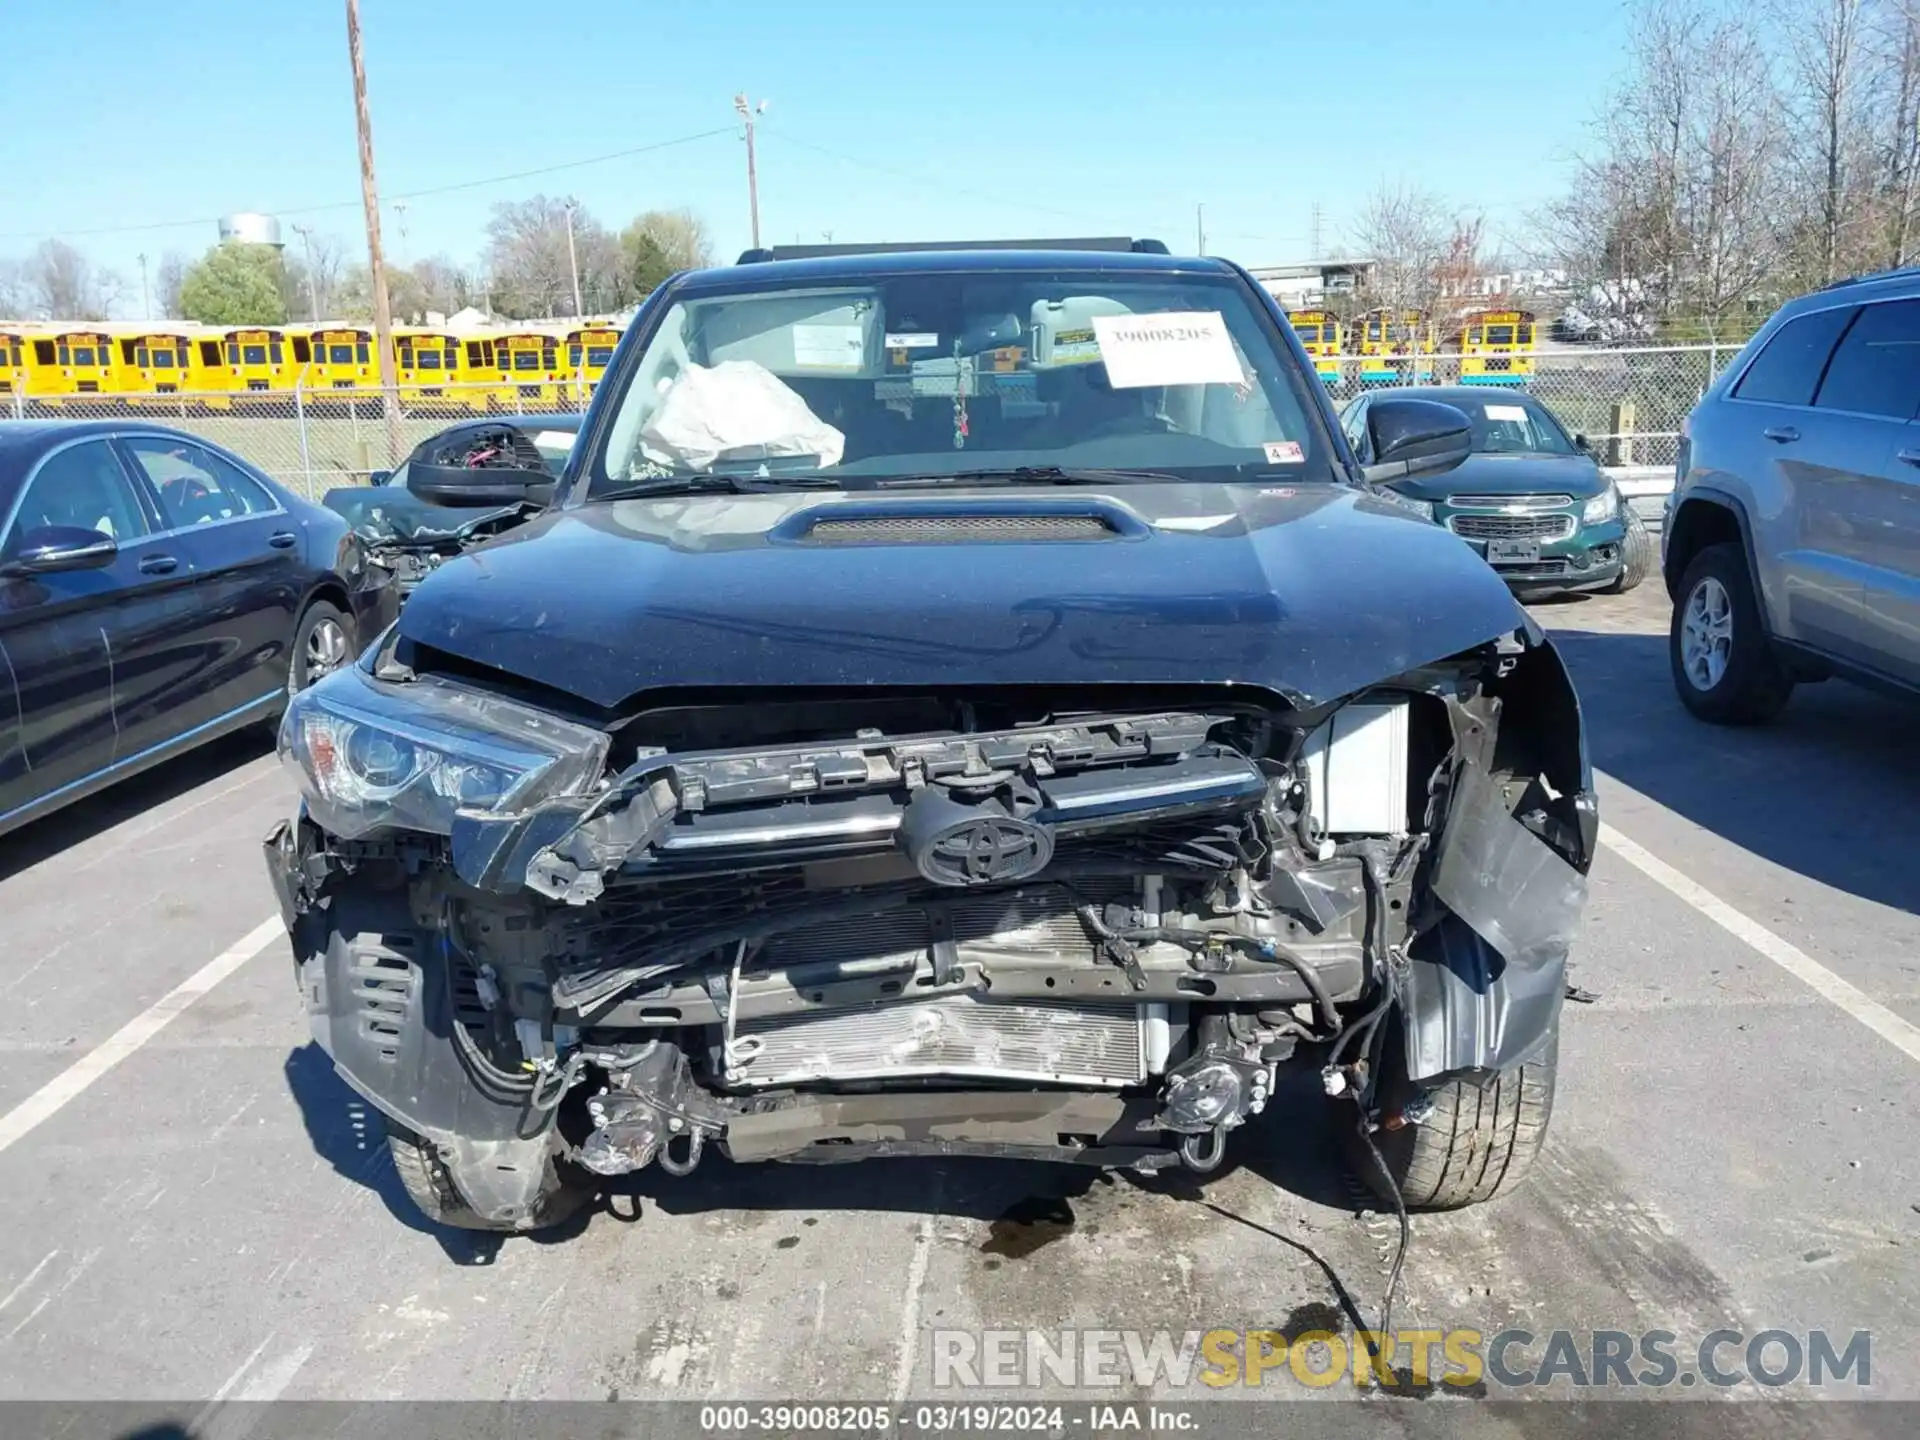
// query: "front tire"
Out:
[1636,556]
[1479,1142]
[429,1184]
[322,643]
[1724,667]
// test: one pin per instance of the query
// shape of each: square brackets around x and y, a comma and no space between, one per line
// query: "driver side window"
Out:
[195,488]
[81,486]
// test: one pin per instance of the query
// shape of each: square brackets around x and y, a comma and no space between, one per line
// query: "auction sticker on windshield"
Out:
[1515,413]
[1179,347]
[1284,452]
[829,347]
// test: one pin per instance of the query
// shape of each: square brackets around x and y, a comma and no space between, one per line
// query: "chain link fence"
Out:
[310,440]
[1629,403]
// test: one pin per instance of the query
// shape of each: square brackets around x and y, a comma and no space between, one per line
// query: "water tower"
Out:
[247,228]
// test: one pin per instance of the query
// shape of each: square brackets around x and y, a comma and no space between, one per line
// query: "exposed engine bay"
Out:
[410,536]
[1058,925]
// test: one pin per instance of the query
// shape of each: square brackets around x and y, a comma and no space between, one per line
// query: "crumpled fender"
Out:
[404,1056]
[1485,985]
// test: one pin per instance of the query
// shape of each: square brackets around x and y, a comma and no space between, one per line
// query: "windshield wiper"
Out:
[717,485]
[1031,475]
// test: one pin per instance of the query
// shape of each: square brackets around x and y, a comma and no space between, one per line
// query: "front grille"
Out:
[1504,503]
[955,529]
[1512,527]
[958,1035]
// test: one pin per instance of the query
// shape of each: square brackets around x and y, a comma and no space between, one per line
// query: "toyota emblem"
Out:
[985,850]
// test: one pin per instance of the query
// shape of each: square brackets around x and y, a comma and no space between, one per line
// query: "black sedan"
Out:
[156,591]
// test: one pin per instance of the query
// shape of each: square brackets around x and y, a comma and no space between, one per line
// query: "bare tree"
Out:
[1895,41]
[14,290]
[168,277]
[1826,54]
[1410,235]
[62,284]
[1678,210]
[532,272]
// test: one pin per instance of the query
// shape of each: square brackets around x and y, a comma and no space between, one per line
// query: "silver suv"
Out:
[1792,542]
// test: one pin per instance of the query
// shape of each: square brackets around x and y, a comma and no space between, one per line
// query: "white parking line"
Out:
[73,1081]
[1789,957]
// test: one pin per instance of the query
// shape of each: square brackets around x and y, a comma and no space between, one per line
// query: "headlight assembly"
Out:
[372,756]
[1601,508]
[1422,508]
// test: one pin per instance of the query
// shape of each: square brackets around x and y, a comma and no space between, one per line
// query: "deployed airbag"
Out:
[739,410]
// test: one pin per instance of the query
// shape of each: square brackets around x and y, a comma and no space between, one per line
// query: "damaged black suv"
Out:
[958,702]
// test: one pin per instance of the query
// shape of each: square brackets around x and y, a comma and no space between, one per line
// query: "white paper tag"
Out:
[1178,347]
[554,439]
[1284,452]
[829,347]
[914,340]
[1516,413]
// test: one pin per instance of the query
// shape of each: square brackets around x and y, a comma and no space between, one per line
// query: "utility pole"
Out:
[376,261]
[749,113]
[1200,229]
[573,261]
[1313,242]
[146,304]
[305,232]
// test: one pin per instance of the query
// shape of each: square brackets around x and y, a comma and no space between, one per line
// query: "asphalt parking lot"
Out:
[203,1210]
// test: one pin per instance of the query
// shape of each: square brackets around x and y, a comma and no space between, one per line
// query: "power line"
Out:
[408,195]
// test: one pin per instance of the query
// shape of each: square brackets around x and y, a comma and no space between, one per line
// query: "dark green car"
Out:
[1530,498]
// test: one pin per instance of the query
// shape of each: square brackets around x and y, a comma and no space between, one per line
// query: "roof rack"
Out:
[1110,244]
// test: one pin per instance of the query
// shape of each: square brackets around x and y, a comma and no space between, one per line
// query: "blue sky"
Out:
[904,120]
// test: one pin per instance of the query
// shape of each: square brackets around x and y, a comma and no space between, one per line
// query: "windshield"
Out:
[1512,427]
[926,375]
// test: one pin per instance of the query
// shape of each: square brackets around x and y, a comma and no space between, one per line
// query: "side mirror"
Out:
[473,487]
[52,549]
[1415,437]
[379,477]
[1582,444]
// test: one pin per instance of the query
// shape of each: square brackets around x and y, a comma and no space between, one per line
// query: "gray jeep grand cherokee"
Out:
[1792,542]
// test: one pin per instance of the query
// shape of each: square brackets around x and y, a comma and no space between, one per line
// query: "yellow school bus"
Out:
[157,363]
[527,365]
[429,370]
[1496,347]
[65,364]
[337,359]
[588,351]
[1394,347]
[14,345]
[254,360]
[1323,335]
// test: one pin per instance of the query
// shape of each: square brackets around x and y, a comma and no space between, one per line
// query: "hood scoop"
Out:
[959,522]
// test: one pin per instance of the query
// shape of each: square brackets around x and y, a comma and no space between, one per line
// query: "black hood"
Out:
[1511,474]
[1312,591]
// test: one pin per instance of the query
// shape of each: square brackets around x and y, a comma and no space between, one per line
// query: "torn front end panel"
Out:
[1092,936]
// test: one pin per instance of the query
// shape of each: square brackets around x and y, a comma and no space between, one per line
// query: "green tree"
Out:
[235,284]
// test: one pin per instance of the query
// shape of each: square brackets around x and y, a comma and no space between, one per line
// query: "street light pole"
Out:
[573,261]
[749,113]
[305,232]
[376,260]
[146,304]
